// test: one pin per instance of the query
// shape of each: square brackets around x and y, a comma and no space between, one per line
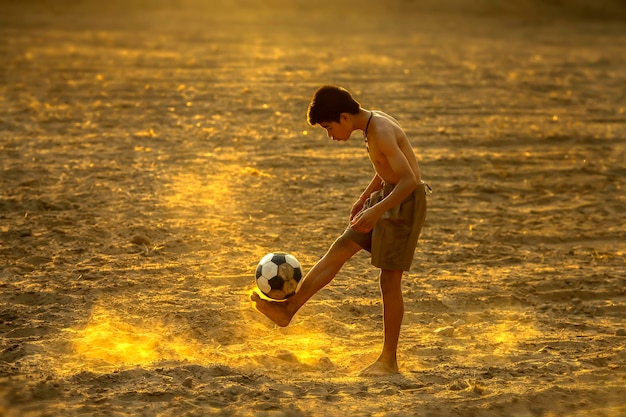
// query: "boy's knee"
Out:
[390,279]
[344,243]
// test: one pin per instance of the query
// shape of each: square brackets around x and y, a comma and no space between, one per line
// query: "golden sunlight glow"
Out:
[507,335]
[298,343]
[190,190]
[112,340]
[307,345]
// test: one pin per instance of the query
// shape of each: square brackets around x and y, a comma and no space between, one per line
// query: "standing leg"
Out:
[317,278]
[393,312]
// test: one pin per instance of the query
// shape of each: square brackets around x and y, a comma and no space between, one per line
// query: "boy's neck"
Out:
[360,120]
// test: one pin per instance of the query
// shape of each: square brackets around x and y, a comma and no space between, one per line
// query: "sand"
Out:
[152,153]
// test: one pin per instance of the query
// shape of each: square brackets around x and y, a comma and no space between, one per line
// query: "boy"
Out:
[386,220]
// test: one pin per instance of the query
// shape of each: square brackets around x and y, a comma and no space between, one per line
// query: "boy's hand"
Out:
[356,207]
[365,220]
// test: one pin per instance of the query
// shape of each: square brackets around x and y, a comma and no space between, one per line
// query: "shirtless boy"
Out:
[386,220]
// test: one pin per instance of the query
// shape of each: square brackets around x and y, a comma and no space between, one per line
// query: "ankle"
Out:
[388,358]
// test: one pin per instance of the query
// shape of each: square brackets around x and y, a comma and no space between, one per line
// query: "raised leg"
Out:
[317,278]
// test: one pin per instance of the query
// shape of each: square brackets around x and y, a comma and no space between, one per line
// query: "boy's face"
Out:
[339,131]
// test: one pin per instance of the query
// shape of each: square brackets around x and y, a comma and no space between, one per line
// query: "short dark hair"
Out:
[328,102]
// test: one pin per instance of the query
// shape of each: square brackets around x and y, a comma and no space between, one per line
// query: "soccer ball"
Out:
[279,275]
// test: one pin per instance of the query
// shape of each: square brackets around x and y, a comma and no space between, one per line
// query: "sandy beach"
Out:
[152,152]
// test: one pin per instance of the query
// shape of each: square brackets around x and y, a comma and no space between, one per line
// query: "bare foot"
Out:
[379,368]
[275,311]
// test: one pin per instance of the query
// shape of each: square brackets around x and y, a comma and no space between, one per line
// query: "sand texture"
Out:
[152,152]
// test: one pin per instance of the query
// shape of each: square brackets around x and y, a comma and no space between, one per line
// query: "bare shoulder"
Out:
[385,127]
[389,118]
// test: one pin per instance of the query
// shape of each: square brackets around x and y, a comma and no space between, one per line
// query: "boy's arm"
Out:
[375,184]
[405,186]
[365,221]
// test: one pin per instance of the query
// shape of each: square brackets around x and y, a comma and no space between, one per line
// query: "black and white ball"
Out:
[279,275]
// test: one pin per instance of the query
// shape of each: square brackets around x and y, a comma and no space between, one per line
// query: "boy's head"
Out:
[329,102]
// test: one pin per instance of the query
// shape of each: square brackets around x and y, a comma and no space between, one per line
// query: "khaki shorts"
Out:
[393,240]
